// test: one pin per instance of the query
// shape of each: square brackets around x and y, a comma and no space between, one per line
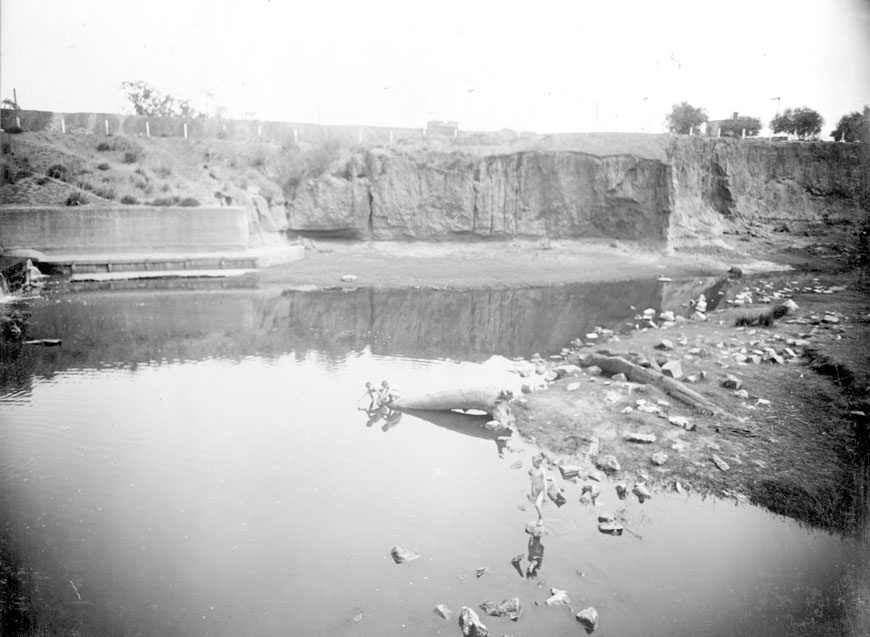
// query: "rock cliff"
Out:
[687,195]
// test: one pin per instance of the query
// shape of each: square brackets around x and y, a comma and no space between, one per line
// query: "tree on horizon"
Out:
[684,117]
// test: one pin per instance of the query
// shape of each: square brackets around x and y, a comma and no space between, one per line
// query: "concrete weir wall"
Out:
[123,229]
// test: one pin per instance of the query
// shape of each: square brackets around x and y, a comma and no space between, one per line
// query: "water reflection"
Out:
[134,327]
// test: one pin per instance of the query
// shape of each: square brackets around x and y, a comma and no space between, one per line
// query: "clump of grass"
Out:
[77,198]
[7,148]
[103,166]
[175,200]
[58,171]
[129,200]
[105,193]
[131,157]
[163,171]
[296,166]
[15,130]
[105,147]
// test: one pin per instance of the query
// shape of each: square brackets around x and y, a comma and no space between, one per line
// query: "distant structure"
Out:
[443,129]
[715,125]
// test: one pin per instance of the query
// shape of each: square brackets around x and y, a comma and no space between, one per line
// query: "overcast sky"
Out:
[545,66]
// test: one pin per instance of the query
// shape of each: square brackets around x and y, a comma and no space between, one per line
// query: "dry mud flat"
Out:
[782,421]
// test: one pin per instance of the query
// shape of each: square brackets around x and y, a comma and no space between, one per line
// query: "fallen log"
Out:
[635,373]
[492,400]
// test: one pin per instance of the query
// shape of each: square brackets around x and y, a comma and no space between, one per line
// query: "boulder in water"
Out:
[509,608]
[558,598]
[589,618]
[641,491]
[401,555]
[470,624]
[443,611]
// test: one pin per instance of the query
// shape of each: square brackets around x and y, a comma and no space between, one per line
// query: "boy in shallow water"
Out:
[539,485]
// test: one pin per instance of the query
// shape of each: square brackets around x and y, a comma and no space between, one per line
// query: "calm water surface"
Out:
[192,462]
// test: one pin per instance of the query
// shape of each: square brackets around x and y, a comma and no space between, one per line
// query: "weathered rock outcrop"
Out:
[687,195]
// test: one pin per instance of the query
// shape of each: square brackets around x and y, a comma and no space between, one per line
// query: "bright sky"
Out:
[545,66]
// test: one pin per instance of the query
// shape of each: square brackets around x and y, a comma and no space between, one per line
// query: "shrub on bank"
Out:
[128,200]
[57,171]
[175,200]
[77,198]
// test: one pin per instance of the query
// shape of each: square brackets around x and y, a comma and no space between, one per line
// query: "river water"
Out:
[192,462]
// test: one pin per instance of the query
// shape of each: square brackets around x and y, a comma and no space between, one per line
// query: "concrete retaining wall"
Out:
[123,229]
[202,127]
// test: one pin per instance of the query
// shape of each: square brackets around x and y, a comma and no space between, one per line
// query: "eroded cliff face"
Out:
[702,188]
[720,185]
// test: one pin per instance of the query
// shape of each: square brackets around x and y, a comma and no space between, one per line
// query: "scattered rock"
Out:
[589,618]
[598,476]
[667,316]
[569,471]
[607,463]
[682,422]
[443,611]
[698,315]
[558,598]
[610,528]
[735,272]
[641,491]
[401,555]
[678,487]
[720,464]
[480,571]
[349,278]
[665,345]
[659,458]
[732,382]
[640,438]
[567,370]
[621,491]
[509,608]
[742,393]
[573,386]
[470,624]
[619,378]
[593,370]
[673,369]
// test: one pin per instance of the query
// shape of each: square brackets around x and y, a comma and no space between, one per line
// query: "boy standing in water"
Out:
[539,485]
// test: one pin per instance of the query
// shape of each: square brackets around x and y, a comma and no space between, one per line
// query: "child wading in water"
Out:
[539,485]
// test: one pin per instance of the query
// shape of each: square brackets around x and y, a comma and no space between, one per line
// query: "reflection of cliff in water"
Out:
[137,327]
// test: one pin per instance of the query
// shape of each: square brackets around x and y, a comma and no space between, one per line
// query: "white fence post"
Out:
[62,126]
[359,137]
[391,135]
[295,135]
[147,129]
[185,130]
[106,122]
